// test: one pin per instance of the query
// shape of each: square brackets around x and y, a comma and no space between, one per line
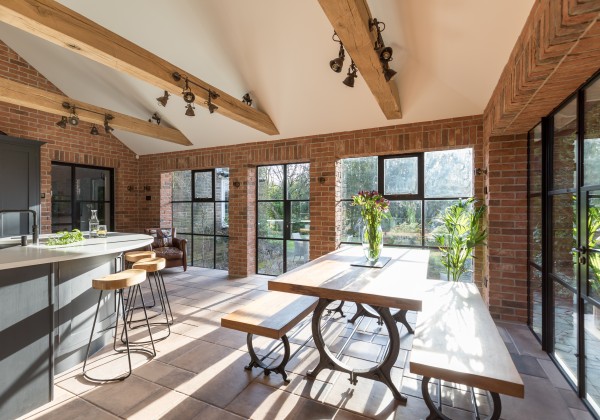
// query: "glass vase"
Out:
[372,242]
[94,222]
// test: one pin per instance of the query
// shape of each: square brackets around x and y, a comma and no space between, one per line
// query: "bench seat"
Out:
[456,340]
[271,316]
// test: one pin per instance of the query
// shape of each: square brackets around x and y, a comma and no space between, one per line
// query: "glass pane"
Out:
[203,185]
[270,256]
[358,174]
[535,230]
[565,147]
[182,186]
[535,160]
[85,212]
[563,238]
[300,223]
[350,222]
[270,219]
[204,251]
[204,214]
[298,181]
[433,210]
[92,184]
[535,303]
[591,143]
[404,225]
[449,173]
[592,353]
[222,184]
[400,176]
[565,329]
[270,182]
[61,215]
[182,217]
[222,219]
[222,253]
[61,183]
[297,254]
[593,244]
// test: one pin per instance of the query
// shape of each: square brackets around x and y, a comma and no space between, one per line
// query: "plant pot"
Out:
[372,242]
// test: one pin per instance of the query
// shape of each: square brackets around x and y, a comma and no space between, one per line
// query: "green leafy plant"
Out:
[65,238]
[594,242]
[460,232]
[373,207]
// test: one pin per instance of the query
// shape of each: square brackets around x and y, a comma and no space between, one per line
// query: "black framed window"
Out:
[201,215]
[282,217]
[78,189]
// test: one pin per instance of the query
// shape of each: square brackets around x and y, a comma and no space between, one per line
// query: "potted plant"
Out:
[373,207]
[460,232]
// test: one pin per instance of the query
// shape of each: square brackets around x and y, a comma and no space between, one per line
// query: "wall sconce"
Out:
[189,97]
[480,171]
[236,184]
[131,188]
[321,180]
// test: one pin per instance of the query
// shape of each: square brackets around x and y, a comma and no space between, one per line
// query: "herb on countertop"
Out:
[65,238]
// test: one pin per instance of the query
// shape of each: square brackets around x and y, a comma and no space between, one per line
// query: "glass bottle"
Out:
[94,222]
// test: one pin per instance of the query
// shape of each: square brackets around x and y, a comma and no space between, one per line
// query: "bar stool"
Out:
[153,267]
[118,282]
[131,258]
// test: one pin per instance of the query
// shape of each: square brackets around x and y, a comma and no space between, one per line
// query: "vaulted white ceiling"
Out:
[448,55]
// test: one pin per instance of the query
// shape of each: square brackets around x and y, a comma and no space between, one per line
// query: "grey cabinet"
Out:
[19,183]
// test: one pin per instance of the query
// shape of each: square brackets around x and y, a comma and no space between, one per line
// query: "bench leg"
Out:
[255,361]
[435,411]
[399,316]
[337,309]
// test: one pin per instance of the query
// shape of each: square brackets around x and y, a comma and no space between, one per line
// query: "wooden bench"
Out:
[457,341]
[272,316]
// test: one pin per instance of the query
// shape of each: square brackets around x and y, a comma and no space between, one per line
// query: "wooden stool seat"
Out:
[120,280]
[135,256]
[150,265]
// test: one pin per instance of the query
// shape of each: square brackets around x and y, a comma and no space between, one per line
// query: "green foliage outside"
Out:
[594,242]
[460,232]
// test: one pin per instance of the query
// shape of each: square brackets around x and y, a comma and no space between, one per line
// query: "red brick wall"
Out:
[71,145]
[507,226]
[322,152]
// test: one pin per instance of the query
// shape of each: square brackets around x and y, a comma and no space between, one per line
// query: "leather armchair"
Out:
[168,246]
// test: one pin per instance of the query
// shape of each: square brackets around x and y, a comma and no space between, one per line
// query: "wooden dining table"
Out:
[332,277]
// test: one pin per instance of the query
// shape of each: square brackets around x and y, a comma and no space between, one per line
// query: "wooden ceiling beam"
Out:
[350,20]
[31,97]
[62,26]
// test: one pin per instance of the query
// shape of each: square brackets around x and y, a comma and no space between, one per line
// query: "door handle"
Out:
[579,250]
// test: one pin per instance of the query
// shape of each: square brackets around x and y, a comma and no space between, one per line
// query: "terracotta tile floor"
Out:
[198,372]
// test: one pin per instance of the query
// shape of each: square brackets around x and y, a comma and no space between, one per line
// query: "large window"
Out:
[419,187]
[76,190]
[283,217]
[201,215]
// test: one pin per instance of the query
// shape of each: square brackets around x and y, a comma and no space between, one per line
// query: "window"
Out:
[76,190]
[283,217]
[201,215]
[419,187]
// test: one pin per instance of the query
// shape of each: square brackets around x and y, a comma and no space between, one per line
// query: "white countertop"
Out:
[23,256]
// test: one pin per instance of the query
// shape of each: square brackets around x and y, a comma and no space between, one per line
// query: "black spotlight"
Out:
[349,80]
[163,99]
[338,63]
[94,130]
[74,119]
[385,53]
[388,73]
[63,122]
[247,99]
[107,127]
[190,111]
[211,107]
[188,95]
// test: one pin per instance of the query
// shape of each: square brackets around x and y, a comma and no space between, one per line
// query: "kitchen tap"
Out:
[34,226]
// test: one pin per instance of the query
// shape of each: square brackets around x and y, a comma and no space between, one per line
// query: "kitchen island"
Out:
[47,306]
